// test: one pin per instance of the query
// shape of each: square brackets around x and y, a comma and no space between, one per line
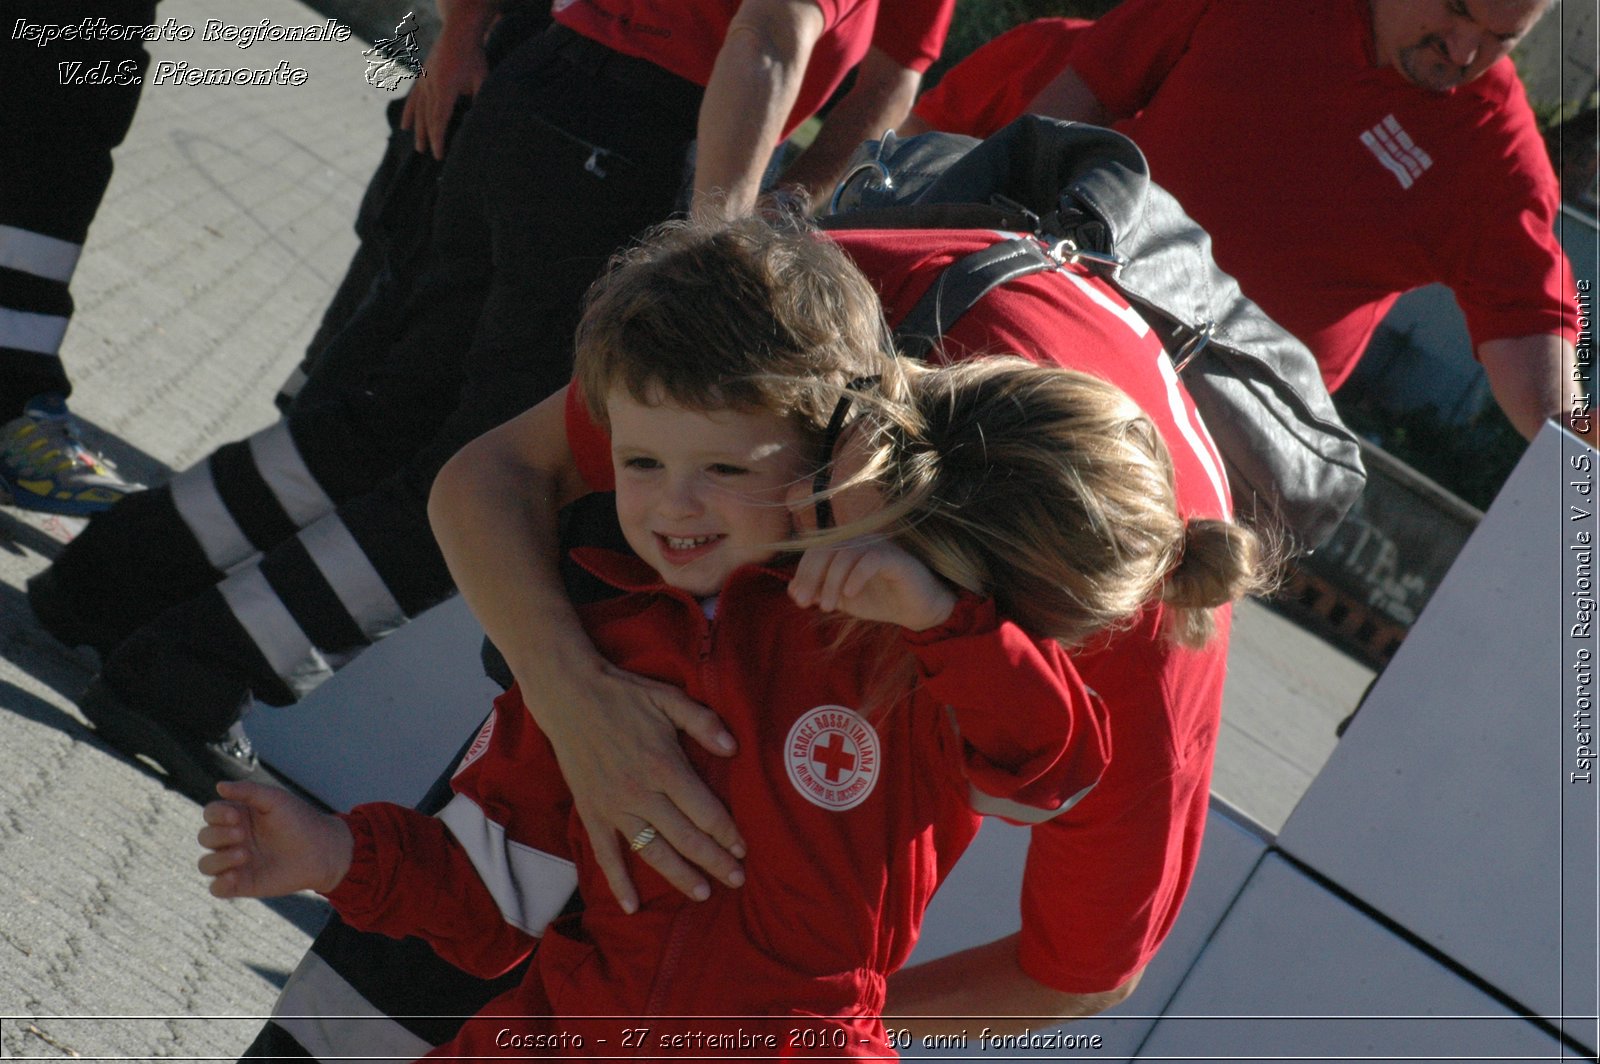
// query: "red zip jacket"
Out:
[852,818]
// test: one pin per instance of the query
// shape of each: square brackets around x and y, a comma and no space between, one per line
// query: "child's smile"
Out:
[701,493]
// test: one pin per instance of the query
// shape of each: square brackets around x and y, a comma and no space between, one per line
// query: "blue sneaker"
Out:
[44,466]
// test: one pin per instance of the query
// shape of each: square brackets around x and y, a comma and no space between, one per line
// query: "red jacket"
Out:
[852,818]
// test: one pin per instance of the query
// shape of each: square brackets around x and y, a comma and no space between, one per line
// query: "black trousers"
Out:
[64,107]
[274,561]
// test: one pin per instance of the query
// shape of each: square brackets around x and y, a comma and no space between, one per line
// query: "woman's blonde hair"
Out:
[1049,490]
[752,314]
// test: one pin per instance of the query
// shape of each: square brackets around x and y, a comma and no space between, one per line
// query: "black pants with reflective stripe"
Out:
[321,523]
[63,108]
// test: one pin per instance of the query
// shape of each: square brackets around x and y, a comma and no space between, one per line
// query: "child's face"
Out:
[701,493]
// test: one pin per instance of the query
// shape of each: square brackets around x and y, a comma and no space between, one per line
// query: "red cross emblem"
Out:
[833,756]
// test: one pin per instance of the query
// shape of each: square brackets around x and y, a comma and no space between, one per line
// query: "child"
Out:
[716,358]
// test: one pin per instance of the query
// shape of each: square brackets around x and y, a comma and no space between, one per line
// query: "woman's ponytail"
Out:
[1220,563]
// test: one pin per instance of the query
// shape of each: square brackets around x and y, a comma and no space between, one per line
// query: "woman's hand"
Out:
[615,735]
[873,579]
[616,739]
[265,842]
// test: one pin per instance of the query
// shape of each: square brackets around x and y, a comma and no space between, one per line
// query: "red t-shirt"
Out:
[990,88]
[684,37]
[1105,879]
[1329,185]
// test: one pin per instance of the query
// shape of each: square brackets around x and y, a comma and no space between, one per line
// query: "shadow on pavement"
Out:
[305,911]
[14,699]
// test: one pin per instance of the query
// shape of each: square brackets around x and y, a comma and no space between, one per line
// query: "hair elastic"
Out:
[830,439]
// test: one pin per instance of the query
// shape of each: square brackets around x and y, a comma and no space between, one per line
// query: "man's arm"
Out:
[493,509]
[1533,378]
[880,99]
[942,996]
[753,88]
[455,67]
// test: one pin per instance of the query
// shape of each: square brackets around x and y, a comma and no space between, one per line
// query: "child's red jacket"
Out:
[852,818]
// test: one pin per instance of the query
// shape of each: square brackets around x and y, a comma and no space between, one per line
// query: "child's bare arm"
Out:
[263,842]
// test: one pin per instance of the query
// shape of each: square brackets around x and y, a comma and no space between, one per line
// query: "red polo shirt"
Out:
[1329,185]
[684,37]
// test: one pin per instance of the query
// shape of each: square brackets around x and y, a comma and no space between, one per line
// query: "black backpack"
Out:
[1084,194]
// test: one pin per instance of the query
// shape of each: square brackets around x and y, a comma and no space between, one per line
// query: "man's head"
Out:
[1439,44]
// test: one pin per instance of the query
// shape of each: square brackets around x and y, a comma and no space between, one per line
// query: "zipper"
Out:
[597,162]
[677,940]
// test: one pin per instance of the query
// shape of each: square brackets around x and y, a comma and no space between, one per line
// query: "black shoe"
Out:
[193,764]
[53,608]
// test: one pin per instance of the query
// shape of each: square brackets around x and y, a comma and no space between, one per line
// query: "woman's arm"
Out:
[494,510]
[944,995]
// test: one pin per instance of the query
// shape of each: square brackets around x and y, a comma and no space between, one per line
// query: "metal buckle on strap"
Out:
[877,179]
[1067,250]
[1193,346]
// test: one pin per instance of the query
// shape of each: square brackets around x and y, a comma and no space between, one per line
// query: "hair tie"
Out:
[830,439]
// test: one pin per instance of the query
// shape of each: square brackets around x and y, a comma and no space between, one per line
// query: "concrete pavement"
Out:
[222,237]
[224,231]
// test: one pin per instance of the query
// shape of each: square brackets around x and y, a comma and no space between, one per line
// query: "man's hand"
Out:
[880,100]
[455,67]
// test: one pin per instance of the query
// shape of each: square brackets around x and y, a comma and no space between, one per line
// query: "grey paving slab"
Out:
[978,904]
[1462,802]
[1293,973]
[1286,692]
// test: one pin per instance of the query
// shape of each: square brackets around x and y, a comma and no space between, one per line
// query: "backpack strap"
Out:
[962,284]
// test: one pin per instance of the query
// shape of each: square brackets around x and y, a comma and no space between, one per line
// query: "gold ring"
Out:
[646,836]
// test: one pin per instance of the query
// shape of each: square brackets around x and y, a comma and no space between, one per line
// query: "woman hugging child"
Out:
[872,571]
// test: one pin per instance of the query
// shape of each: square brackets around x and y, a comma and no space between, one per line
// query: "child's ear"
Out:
[802,513]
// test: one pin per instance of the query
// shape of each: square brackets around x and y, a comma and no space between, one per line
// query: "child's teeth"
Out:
[688,544]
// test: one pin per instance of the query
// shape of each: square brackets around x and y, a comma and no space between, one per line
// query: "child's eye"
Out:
[640,462]
[723,469]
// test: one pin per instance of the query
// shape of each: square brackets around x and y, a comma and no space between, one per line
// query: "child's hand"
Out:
[265,842]
[875,580]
